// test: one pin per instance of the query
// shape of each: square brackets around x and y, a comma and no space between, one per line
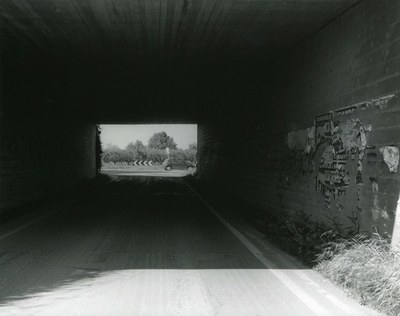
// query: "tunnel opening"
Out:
[162,150]
[298,109]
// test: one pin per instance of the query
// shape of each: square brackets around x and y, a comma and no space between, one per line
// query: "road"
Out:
[137,172]
[153,246]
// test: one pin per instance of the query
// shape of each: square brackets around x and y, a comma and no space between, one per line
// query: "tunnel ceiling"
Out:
[180,47]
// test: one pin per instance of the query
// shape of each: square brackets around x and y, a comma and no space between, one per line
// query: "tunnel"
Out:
[297,109]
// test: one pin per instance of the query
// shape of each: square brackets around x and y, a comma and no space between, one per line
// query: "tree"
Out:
[138,145]
[191,152]
[161,141]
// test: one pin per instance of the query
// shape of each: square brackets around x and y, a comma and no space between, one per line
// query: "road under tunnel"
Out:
[152,246]
[298,116]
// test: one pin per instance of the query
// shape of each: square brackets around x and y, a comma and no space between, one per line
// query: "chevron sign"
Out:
[143,163]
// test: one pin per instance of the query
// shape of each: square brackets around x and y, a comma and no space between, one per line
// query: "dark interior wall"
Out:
[235,154]
[57,84]
[354,59]
[43,149]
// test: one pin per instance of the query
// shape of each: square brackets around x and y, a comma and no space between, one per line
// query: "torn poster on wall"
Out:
[323,129]
[302,140]
[379,103]
[390,157]
[344,141]
[301,143]
[296,140]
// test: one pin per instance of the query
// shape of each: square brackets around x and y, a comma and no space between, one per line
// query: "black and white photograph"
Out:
[200,157]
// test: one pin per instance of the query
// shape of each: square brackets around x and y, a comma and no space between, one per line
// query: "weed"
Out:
[363,264]
[366,267]
[308,235]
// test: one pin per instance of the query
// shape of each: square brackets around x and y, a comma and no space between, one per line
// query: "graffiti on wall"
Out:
[339,142]
[343,141]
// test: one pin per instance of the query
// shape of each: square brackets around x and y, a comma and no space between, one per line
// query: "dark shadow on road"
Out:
[130,223]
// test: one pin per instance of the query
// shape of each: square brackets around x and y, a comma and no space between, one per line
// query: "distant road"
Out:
[144,172]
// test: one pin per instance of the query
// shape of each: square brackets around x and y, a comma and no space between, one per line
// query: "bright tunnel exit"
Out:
[149,149]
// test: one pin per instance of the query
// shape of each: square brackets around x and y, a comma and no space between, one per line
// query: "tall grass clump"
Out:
[367,267]
[303,237]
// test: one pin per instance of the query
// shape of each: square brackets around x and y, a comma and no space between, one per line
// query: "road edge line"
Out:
[311,303]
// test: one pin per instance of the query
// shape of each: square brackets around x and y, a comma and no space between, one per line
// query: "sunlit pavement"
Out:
[153,246]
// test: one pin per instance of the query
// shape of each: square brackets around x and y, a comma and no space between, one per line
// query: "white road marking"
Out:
[335,301]
[310,302]
[310,277]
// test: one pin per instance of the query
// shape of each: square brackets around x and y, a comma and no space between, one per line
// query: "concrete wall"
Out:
[38,159]
[353,60]
[42,150]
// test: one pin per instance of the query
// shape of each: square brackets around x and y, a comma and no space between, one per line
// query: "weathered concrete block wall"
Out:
[353,64]
[355,60]
[39,158]
[238,156]
[42,150]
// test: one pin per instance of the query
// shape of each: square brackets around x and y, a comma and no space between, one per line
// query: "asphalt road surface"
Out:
[138,172]
[152,246]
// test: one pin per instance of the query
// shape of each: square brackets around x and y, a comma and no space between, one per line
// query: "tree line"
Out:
[155,151]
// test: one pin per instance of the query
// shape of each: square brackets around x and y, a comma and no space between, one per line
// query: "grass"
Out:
[300,235]
[367,268]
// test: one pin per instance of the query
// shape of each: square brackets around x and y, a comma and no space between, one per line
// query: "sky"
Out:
[122,135]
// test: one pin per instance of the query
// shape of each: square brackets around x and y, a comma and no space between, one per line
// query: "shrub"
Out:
[156,155]
[305,237]
[367,267]
[99,151]
[116,155]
